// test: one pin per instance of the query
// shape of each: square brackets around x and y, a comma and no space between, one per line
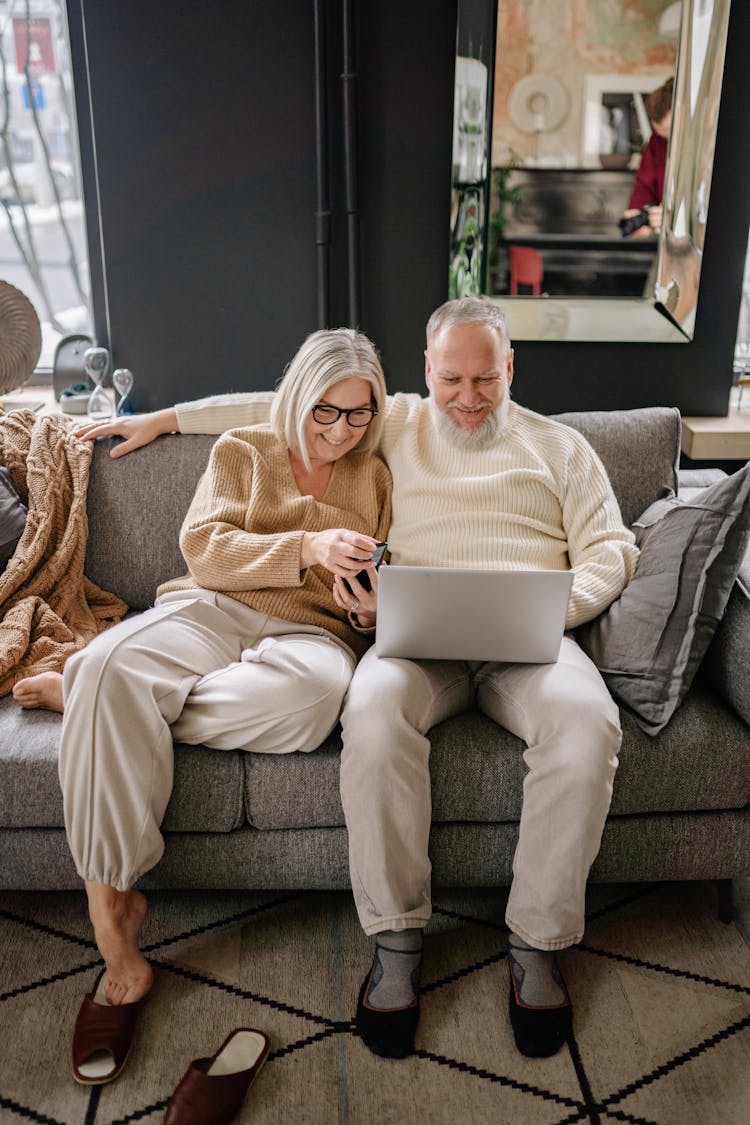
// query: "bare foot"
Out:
[43,690]
[117,917]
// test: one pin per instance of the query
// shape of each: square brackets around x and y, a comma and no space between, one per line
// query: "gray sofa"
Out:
[681,807]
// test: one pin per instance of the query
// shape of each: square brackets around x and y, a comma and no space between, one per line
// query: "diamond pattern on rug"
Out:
[661,992]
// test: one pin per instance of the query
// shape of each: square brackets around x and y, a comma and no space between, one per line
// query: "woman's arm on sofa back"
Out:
[213,415]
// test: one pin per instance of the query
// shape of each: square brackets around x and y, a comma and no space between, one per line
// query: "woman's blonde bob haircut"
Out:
[324,359]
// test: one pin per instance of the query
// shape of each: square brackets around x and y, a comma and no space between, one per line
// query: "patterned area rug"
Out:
[661,990]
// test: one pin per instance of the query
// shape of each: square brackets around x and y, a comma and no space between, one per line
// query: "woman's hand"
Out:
[345,553]
[138,429]
[360,602]
[339,550]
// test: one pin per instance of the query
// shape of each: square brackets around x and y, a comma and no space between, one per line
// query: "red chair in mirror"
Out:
[526,268]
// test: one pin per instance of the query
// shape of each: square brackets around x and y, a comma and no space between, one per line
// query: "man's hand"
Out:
[138,429]
[653,226]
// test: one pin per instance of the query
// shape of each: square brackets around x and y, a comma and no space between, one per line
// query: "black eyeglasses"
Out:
[359,417]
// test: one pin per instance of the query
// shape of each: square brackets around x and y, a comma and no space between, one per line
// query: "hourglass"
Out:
[122,381]
[95,364]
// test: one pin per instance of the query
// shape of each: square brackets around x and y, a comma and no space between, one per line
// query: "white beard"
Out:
[485,435]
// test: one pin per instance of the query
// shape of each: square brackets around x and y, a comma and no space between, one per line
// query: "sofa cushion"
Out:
[477,771]
[294,790]
[207,794]
[477,768]
[29,784]
[207,791]
[649,643]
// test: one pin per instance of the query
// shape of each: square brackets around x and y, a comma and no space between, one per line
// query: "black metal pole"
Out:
[349,78]
[322,203]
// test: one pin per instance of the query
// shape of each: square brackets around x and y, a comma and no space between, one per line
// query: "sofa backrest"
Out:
[137,503]
[640,450]
[136,506]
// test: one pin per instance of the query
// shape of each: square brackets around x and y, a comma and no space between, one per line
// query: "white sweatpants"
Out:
[199,667]
[571,728]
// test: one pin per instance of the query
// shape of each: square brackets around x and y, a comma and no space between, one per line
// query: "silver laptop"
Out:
[441,613]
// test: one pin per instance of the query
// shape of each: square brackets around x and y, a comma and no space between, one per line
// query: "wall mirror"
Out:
[546,146]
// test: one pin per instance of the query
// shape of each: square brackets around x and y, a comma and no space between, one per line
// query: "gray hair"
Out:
[468,310]
[325,358]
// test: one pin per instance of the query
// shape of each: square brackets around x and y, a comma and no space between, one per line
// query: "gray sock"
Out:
[538,980]
[395,973]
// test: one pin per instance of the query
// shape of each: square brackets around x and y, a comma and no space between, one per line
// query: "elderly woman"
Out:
[253,649]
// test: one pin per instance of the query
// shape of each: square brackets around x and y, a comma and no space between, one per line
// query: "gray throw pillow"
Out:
[12,517]
[649,643]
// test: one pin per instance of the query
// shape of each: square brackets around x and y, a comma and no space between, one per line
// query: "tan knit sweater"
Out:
[539,499]
[244,529]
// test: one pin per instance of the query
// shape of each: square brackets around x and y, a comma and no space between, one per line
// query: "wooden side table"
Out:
[720,439]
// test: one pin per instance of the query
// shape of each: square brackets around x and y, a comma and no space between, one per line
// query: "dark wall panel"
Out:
[405,61]
[203,129]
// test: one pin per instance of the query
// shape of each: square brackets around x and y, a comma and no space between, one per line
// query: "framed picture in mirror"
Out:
[615,122]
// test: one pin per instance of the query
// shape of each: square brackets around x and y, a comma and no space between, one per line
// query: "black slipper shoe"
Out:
[389,1032]
[539,1032]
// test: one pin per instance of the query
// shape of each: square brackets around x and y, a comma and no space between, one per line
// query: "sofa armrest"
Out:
[726,665]
[690,482]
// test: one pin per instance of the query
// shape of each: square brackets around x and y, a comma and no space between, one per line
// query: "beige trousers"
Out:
[198,668]
[570,724]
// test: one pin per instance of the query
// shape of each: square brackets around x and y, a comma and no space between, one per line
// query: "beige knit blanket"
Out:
[48,608]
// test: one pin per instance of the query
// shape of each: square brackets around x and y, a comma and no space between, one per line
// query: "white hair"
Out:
[468,310]
[325,358]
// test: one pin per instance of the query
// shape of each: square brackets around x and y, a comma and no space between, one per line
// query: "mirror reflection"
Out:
[581,177]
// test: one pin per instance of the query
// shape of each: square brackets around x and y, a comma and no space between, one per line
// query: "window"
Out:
[42,230]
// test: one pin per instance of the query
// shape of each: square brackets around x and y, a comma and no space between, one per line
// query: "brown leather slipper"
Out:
[102,1036]
[212,1089]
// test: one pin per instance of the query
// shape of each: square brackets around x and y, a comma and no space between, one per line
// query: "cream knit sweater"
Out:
[539,499]
[243,532]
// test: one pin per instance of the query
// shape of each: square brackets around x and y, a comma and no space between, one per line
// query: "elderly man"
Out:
[478,481]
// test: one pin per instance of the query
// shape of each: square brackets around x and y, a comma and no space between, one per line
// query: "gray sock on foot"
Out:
[395,974]
[538,980]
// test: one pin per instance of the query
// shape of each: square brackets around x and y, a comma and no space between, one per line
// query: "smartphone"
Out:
[363,577]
